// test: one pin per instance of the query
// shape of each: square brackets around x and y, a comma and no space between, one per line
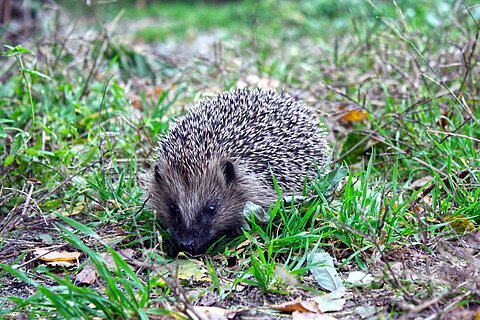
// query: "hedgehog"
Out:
[227,151]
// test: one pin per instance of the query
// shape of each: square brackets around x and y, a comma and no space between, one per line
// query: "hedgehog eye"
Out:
[210,208]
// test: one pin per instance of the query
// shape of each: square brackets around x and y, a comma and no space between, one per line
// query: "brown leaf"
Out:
[55,256]
[476,316]
[420,207]
[211,313]
[137,103]
[460,223]
[157,91]
[78,208]
[297,305]
[242,246]
[354,116]
[417,184]
[89,274]
[311,316]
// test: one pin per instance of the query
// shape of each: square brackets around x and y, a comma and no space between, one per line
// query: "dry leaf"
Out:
[211,313]
[459,223]
[476,316]
[417,184]
[333,301]
[78,208]
[297,305]
[89,274]
[420,207]
[157,91]
[325,273]
[354,116]
[311,316]
[124,253]
[54,256]
[190,269]
[57,258]
[359,278]
[137,104]
[242,246]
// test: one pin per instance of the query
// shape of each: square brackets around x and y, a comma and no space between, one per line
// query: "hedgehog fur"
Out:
[223,153]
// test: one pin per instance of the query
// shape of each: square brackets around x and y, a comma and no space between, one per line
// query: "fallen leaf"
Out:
[157,91]
[325,273]
[48,255]
[366,311]
[354,116]
[459,223]
[89,274]
[261,215]
[191,270]
[420,206]
[476,316]
[78,208]
[57,258]
[137,103]
[297,305]
[417,184]
[333,301]
[311,316]
[211,313]
[242,246]
[359,278]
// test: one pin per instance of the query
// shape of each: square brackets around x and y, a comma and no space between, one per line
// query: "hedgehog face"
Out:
[198,207]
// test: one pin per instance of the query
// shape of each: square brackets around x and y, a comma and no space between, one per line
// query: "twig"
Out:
[449,306]
[27,201]
[94,67]
[7,219]
[461,174]
[454,134]
[428,303]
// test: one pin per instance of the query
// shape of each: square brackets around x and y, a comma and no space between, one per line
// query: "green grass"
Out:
[78,124]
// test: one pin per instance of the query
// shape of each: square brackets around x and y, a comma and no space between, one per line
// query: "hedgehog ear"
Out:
[229,172]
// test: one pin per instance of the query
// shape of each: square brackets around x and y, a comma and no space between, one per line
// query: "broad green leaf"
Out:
[325,273]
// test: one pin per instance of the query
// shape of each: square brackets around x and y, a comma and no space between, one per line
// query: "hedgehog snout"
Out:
[194,240]
[191,245]
[188,245]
